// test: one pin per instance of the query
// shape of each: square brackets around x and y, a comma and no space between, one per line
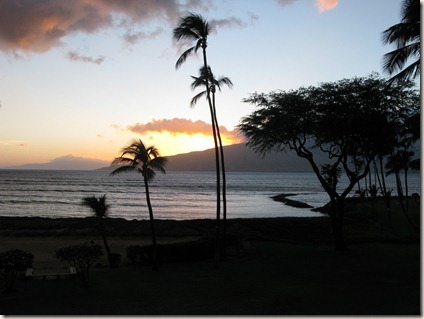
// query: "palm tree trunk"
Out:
[155,266]
[218,180]
[386,195]
[102,231]
[416,229]
[224,180]
[406,190]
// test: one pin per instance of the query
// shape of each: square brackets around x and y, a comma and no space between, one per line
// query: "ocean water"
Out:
[175,195]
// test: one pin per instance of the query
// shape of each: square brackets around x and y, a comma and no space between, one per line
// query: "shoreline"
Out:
[358,228]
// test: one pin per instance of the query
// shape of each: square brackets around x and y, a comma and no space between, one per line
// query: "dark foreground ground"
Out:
[284,266]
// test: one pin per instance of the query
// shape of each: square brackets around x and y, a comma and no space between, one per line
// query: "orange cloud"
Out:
[183,126]
[324,5]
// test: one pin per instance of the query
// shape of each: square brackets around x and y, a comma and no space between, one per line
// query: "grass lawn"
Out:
[285,267]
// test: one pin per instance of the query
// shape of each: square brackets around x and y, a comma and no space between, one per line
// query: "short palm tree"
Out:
[137,158]
[214,83]
[195,28]
[406,36]
[101,211]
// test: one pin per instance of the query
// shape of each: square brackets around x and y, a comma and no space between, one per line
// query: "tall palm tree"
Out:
[406,36]
[137,158]
[195,28]
[101,211]
[200,81]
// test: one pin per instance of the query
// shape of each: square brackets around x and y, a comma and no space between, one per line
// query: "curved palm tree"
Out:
[200,81]
[196,29]
[406,36]
[137,158]
[101,211]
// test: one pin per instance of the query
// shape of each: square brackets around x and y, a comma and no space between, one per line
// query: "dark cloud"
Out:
[39,25]
[75,56]
[28,26]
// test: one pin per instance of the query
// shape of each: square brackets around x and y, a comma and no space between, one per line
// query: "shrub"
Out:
[82,257]
[12,262]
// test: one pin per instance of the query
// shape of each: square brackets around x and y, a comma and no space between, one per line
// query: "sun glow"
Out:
[178,143]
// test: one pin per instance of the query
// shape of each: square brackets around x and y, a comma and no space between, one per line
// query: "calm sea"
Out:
[175,195]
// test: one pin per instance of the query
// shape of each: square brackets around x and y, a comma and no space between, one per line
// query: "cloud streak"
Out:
[182,126]
[19,143]
[75,56]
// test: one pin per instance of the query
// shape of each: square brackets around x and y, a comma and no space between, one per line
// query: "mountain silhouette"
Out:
[67,162]
[239,157]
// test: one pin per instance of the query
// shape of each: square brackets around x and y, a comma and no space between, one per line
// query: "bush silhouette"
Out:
[12,262]
[82,257]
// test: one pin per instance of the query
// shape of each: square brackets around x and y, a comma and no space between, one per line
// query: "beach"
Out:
[282,266]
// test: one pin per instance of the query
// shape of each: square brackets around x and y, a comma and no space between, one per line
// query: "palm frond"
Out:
[198,81]
[152,152]
[183,57]
[411,71]
[123,169]
[158,164]
[396,59]
[401,34]
[223,80]
[90,202]
[196,98]
[194,28]
[123,161]
[406,36]
[97,205]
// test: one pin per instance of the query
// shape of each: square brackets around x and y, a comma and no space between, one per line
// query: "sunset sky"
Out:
[82,78]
